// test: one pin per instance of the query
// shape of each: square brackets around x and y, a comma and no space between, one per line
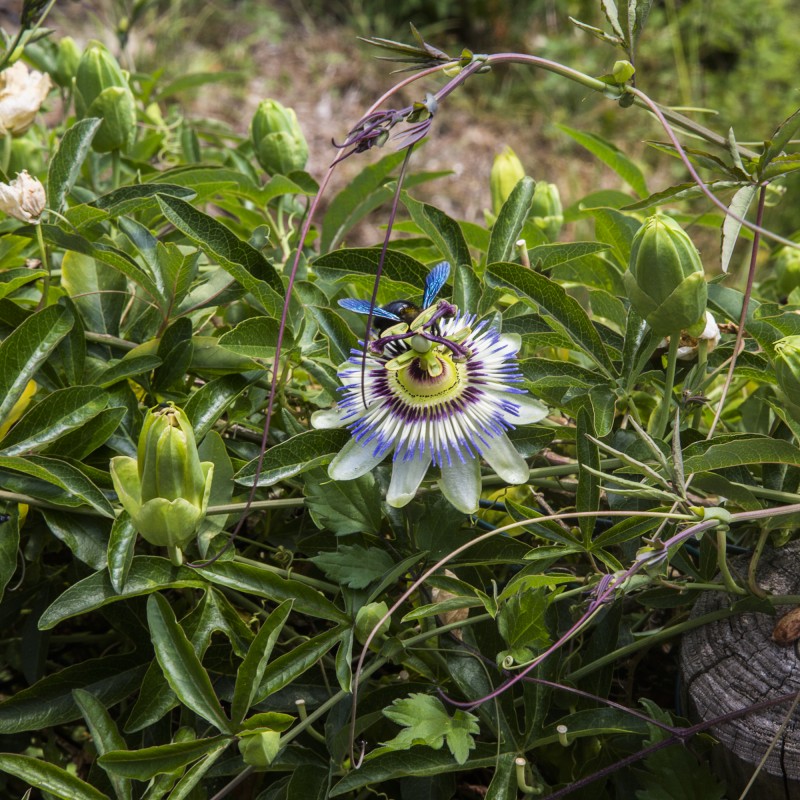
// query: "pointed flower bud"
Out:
[102,90]
[278,141]
[665,280]
[165,489]
[507,172]
[22,92]
[546,211]
[24,198]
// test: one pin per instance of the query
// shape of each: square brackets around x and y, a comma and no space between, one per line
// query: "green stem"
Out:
[45,265]
[752,581]
[700,373]
[722,562]
[662,418]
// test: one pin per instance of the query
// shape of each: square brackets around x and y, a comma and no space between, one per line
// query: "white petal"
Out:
[504,459]
[461,484]
[530,410]
[328,418]
[406,478]
[353,461]
[513,341]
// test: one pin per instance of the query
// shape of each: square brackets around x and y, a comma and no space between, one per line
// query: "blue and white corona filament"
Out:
[436,390]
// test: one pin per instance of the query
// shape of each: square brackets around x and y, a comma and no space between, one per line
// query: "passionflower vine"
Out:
[439,390]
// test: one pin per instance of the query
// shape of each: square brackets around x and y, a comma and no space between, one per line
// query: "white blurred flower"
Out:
[24,198]
[688,346]
[22,92]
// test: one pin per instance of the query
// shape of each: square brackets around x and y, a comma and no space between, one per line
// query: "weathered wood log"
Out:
[733,663]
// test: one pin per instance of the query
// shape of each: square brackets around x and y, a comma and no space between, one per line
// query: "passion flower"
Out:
[439,391]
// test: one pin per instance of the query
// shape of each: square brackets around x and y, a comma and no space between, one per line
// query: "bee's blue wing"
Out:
[434,282]
[362,307]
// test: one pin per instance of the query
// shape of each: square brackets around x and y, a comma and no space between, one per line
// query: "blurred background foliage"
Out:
[733,62]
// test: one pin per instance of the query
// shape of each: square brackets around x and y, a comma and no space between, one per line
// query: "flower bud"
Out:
[507,172]
[22,92]
[787,366]
[786,263]
[546,211]
[260,748]
[67,59]
[24,198]
[102,91]
[165,489]
[278,141]
[665,280]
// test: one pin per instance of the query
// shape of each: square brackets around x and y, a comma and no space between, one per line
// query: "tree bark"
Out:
[732,663]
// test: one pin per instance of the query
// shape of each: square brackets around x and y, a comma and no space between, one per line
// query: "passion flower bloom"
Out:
[439,391]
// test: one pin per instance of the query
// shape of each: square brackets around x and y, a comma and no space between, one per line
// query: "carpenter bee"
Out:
[386,316]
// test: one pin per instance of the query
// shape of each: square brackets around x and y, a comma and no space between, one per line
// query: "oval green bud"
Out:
[166,488]
[278,140]
[623,71]
[259,749]
[507,172]
[546,211]
[367,618]
[67,59]
[665,280]
[786,263]
[102,90]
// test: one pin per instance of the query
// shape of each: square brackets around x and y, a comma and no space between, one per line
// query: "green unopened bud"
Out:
[259,749]
[67,60]
[101,90]
[787,367]
[278,141]
[665,281]
[507,172]
[623,71]
[546,211]
[165,489]
[367,618]
[786,263]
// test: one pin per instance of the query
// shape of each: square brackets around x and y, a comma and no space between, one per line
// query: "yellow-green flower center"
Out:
[430,376]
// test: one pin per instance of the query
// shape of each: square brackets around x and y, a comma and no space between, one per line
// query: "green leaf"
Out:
[333,328]
[541,292]
[262,582]
[209,402]
[121,546]
[730,227]
[50,702]
[300,453]
[251,670]
[144,764]
[504,780]
[344,506]
[60,412]
[549,256]
[49,778]
[239,259]
[509,222]
[180,664]
[681,191]
[397,266]
[135,197]
[9,545]
[194,80]
[85,537]
[354,566]
[105,735]
[774,146]
[256,337]
[65,166]
[25,349]
[362,194]
[82,441]
[704,457]
[611,157]
[426,722]
[99,291]
[444,231]
[466,288]
[287,668]
[521,620]
[112,256]
[147,574]
[76,488]
[587,497]
[391,766]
